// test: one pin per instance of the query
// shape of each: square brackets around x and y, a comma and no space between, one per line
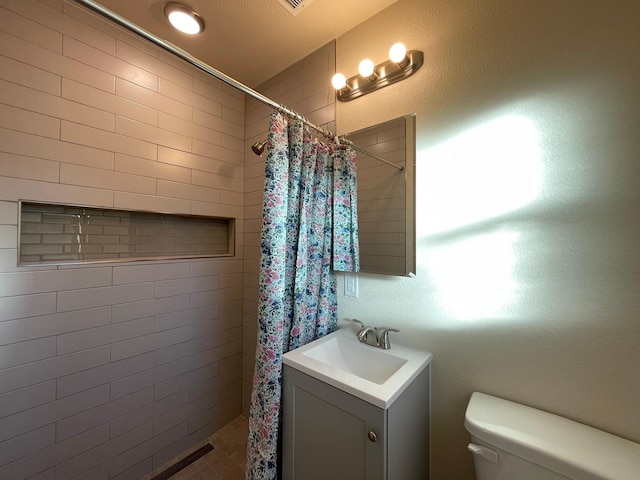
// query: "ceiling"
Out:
[252,40]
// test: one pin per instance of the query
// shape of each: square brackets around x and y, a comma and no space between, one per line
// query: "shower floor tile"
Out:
[226,461]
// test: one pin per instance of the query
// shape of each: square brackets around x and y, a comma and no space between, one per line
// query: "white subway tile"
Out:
[38,147]
[19,119]
[98,178]
[51,412]
[165,288]
[27,443]
[151,203]
[97,297]
[232,143]
[233,116]
[82,421]
[60,22]
[231,98]
[212,209]
[153,377]
[151,134]
[101,472]
[91,458]
[186,95]
[54,107]
[135,472]
[114,142]
[151,168]
[188,128]
[41,371]
[118,465]
[26,398]
[31,168]
[171,320]
[52,62]
[220,182]
[8,238]
[26,352]
[185,191]
[23,329]
[87,95]
[147,413]
[152,64]
[152,99]
[24,283]
[13,189]
[104,335]
[8,213]
[148,343]
[156,306]
[108,63]
[188,160]
[23,27]
[28,466]
[103,374]
[201,268]
[149,272]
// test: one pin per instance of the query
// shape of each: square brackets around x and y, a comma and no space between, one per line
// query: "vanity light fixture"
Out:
[401,65]
[183,18]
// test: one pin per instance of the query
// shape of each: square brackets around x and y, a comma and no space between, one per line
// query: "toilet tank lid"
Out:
[556,443]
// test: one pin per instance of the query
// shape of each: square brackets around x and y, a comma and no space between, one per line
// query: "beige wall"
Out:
[306,88]
[527,192]
[110,370]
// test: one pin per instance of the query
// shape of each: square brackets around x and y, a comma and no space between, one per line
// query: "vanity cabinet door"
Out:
[330,434]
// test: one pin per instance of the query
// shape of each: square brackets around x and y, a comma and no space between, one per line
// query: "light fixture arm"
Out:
[387,73]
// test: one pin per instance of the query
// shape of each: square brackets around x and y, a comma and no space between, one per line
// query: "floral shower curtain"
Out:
[309,225]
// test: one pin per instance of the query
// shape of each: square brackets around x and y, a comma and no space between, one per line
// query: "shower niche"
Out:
[60,234]
[386,197]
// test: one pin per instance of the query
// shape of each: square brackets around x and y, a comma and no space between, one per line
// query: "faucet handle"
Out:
[362,325]
[383,335]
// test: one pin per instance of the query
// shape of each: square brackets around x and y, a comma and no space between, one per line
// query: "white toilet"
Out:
[514,442]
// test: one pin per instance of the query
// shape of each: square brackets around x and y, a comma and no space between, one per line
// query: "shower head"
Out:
[258,147]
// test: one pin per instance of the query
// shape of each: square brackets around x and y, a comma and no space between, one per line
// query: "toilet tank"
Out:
[515,442]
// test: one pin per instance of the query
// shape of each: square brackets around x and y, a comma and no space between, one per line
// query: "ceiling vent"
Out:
[294,6]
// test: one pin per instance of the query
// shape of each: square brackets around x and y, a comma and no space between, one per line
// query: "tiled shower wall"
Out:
[108,371]
[306,88]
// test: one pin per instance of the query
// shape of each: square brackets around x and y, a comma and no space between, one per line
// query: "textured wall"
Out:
[110,370]
[527,192]
[306,88]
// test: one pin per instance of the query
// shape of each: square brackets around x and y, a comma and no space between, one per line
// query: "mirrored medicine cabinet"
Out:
[386,197]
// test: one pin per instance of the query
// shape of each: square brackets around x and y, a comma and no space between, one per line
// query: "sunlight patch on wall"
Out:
[480,174]
[474,277]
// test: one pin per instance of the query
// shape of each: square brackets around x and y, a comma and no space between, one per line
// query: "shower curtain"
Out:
[309,230]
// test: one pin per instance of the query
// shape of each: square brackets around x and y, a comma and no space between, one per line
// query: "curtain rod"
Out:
[187,57]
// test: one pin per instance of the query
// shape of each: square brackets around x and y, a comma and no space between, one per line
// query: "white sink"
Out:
[375,375]
[344,354]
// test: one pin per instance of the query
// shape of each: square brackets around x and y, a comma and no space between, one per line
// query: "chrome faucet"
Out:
[381,337]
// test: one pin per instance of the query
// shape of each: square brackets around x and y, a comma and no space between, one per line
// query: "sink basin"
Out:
[369,363]
[375,375]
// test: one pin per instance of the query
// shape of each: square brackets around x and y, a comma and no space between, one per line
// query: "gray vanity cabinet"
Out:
[331,434]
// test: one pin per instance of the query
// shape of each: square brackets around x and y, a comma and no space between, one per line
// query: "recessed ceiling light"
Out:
[184,18]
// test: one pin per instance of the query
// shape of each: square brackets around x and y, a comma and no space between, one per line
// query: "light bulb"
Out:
[366,68]
[184,23]
[397,52]
[183,18]
[339,81]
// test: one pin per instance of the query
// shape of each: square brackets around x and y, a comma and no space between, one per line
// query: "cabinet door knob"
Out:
[372,436]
